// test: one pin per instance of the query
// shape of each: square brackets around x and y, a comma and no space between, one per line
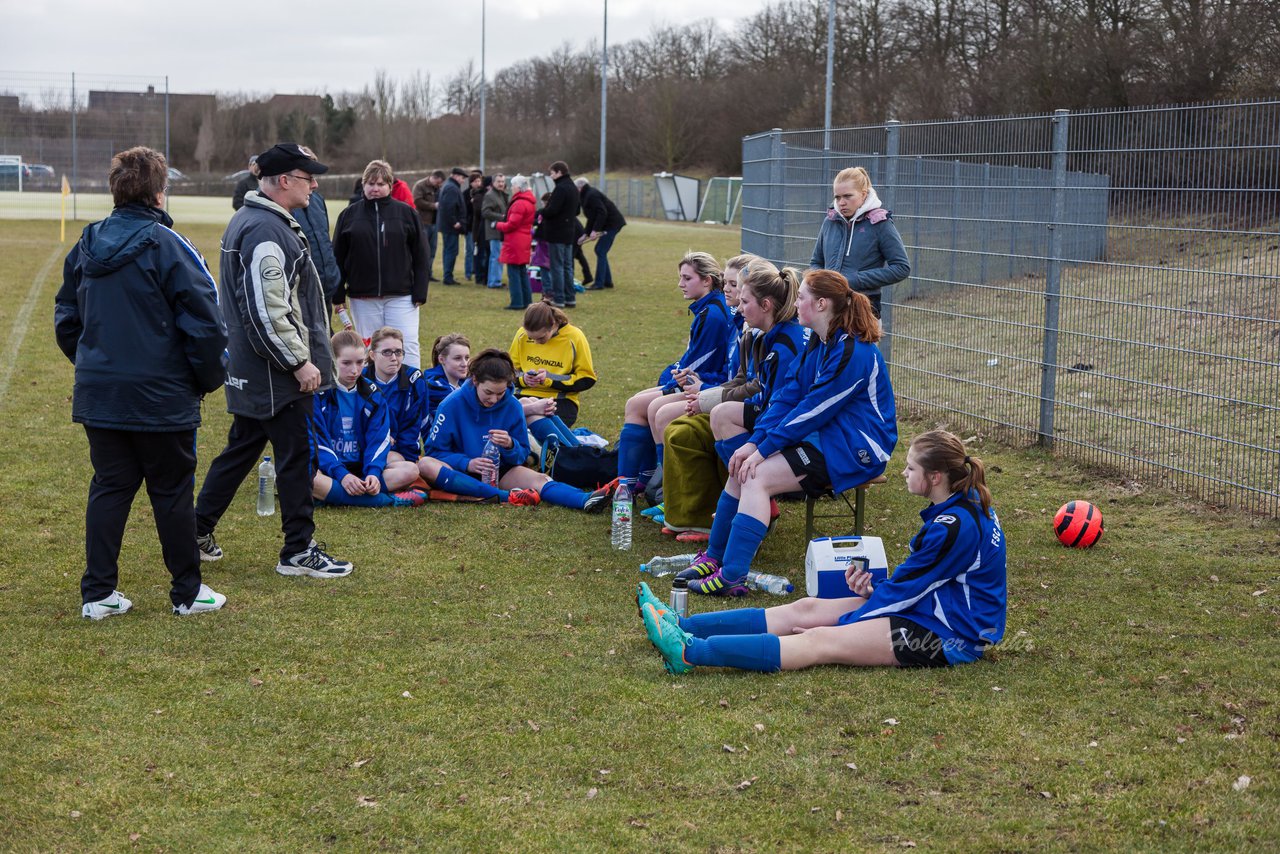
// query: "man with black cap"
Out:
[278,358]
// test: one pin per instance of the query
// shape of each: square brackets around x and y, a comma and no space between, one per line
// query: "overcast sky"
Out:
[327,45]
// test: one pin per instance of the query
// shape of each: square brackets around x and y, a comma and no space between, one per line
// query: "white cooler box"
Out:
[829,557]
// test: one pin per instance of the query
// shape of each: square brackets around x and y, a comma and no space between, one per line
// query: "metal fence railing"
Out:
[1106,283]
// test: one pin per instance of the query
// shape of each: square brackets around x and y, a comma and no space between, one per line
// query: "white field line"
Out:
[19,331]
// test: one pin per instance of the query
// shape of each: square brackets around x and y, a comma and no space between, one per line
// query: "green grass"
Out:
[1137,686]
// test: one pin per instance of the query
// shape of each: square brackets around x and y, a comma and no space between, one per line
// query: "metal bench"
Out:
[856,507]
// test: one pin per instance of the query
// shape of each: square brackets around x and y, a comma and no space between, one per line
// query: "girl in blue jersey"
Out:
[482,409]
[403,389]
[449,357]
[944,605]
[705,360]
[832,425]
[353,437]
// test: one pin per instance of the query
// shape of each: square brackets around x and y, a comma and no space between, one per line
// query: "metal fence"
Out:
[1105,283]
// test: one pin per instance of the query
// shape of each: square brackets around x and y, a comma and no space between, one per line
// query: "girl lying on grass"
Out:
[944,605]
[483,408]
[705,361]
[353,438]
[831,426]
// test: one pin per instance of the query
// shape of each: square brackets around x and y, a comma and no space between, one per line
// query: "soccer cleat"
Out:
[693,535]
[599,499]
[524,497]
[208,546]
[410,498]
[645,595]
[207,599]
[701,567]
[103,608]
[668,639]
[655,511]
[716,585]
[315,563]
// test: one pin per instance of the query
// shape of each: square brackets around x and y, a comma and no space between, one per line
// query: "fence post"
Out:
[1015,187]
[984,206]
[955,218]
[777,151]
[1052,278]
[75,154]
[892,130]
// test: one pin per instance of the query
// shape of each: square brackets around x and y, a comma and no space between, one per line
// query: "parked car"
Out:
[9,173]
[42,174]
[176,176]
[236,176]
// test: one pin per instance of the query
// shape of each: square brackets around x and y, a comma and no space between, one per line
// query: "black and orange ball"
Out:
[1078,524]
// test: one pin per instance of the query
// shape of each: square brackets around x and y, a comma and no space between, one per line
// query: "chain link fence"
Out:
[1105,283]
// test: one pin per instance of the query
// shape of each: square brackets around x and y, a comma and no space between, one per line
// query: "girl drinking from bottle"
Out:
[353,437]
[484,410]
[704,362]
[553,364]
[944,605]
[449,357]
[832,426]
[403,389]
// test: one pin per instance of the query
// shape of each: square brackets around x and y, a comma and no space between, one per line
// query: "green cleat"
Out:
[669,639]
[645,595]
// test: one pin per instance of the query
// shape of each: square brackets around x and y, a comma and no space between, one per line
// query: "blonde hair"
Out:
[855,175]
[766,283]
[379,169]
[705,266]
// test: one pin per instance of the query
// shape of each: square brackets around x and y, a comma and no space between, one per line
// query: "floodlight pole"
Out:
[483,27]
[831,53]
[604,92]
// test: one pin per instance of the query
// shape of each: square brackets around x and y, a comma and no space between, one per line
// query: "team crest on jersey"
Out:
[864,457]
[945,519]
[347,423]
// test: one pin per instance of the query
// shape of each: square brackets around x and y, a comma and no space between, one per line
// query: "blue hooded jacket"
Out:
[138,315]
[461,426]
[370,427]
[711,335]
[408,400]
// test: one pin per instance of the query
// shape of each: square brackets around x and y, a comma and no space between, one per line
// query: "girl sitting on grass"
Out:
[353,438]
[553,364]
[483,409]
[942,606]
[449,356]
[705,362]
[831,426]
[403,389]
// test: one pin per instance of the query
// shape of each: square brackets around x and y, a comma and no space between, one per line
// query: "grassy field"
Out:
[481,682]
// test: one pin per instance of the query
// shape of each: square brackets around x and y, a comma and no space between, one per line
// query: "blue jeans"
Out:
[557,280]
[604,273]
[495,266]
[470,263]
[450,240]
[518,285]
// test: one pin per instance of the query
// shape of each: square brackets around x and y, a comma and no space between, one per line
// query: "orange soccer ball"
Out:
[1078,524]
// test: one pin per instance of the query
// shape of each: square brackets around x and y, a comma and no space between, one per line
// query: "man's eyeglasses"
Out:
[391,354]
[307,178]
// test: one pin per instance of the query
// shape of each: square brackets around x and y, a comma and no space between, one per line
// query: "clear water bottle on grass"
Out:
[623,509]
[266,487]
[660,566]
[493,455]
[775,584]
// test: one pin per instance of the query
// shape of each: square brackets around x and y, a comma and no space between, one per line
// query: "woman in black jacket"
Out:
[378,245]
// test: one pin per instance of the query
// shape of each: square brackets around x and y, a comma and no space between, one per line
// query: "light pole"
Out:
[604,91]
[483,26]
[831,53]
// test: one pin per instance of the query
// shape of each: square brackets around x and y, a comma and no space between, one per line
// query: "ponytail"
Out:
[491,365]
[941,451]
[543,315]
[764,282]
[343,339]
[852,310]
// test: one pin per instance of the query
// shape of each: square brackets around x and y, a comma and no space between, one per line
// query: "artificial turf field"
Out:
[482,682]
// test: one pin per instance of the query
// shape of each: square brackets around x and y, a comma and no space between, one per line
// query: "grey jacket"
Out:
[273,303]
[494,209]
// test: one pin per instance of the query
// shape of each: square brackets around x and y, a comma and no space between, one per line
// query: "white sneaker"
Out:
[207,599]
[315,563]
[209,549]
[109,607]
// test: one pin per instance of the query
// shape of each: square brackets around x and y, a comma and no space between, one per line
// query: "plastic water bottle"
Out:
[775,584]
[660,566]
[266,488]
[345,318]
[623,507]
[493,455]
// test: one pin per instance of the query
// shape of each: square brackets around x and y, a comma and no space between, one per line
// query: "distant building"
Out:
[123,102]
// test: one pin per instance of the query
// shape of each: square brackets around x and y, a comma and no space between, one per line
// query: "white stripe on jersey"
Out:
[383,447]
[895,607]
[195,256]
[939,613]
[873,391]
[824,406]
[700,360]
[881,454]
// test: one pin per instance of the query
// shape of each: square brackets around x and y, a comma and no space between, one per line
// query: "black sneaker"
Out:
[315,563]
[209,549]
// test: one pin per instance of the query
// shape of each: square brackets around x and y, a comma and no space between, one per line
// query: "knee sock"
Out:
[726,447]
[541,429]
[338,495]
[744,539]
[566,435]
[745,652]
[464,484]
[726,509]
[657,454]
[738,621]
[636,455]
[564,495]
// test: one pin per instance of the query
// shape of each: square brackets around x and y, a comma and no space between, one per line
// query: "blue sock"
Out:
[541,429]
[745,652]
[566,435]
[726,509]
[738,621]
[726,447]
[635,451]
[464,484]
[564,495]
[744,540]
[338,495]
[657,454]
